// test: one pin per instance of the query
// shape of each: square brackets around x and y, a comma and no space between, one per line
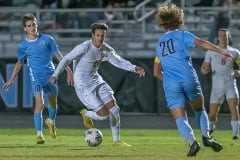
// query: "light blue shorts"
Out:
[177,93]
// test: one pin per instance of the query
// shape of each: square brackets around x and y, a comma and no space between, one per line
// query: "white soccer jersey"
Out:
[223,81]
[86,59]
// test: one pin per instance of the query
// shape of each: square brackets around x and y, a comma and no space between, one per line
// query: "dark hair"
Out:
[95,26]
[28,17]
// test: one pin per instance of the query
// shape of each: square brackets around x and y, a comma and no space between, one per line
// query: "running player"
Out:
[90,87]
[37,51]
[173,66]
[223,82]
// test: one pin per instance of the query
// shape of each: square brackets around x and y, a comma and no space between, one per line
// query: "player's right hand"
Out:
[6,85]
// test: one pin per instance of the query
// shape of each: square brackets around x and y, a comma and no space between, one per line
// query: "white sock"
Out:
[95,116]
[114,119]
[212,125]
[39,133]
[235,127]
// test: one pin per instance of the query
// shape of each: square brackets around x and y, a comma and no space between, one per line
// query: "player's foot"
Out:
[88,123]
[194,149]
[40,139]
[210,142]
[121,143]
[235,137]
[51,128]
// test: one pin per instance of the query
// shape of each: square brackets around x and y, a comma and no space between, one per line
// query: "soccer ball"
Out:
[93,137]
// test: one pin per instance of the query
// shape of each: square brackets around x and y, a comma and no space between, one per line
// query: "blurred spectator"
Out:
[5,15]
[222,19]
[50,16]
[205,3]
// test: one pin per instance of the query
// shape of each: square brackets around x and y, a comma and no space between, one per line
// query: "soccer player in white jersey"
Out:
[38,50]
[223,81]
[173,66]
[90,87]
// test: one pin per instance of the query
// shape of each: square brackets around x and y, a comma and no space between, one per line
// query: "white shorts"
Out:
[95,97]
[218,94]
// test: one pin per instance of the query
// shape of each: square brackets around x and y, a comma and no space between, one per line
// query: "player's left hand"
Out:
[140,71]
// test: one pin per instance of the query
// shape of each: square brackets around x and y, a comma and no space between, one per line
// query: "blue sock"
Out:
[185,129]
[203,122]
[38,121]
[52,112]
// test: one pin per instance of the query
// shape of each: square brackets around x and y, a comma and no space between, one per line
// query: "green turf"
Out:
[19,144]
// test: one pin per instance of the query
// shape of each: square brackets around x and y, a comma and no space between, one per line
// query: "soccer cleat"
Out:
[88,123]
[121,144]
[51,127]
[40,139]
[235,137]
[194,149]
[210,142]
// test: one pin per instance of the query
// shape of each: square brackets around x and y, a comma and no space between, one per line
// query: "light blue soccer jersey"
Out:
[179,77]
[38,55]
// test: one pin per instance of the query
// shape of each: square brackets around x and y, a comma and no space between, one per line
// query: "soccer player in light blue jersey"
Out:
[173,66]
[37,50]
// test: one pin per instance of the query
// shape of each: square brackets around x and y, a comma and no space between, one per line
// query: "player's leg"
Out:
[52,92]
[38,120]
[233,105]
[216,99]
[177,109]
[185,129]
[203,122]
[214,109]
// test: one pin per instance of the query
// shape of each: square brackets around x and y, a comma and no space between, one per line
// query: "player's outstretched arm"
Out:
[17,68]
[210,46]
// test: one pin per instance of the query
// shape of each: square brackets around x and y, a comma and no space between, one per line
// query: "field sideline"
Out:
[150,144]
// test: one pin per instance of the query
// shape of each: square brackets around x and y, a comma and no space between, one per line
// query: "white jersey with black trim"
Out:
[86,61]
[222,68]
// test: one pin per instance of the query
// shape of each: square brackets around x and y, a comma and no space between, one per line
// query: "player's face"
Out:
[31,28]
[223,37]
[98,37]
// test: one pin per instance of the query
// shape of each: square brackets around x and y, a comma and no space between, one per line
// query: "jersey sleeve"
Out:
[207,58]
[119,62]
[53,45]
[189,39]
[68,58]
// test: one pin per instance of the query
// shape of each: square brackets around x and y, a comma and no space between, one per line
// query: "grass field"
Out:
[19,144]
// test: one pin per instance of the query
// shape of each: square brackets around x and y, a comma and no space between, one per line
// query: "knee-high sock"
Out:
[95,116]
[185,129]
[235,127]
[52,112]
[114,119]
[203,123]
[212,125]
[38,122]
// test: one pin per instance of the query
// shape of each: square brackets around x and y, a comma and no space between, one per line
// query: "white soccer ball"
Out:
[93,137]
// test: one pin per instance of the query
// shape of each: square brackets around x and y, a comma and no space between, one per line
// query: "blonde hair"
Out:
[170,17]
